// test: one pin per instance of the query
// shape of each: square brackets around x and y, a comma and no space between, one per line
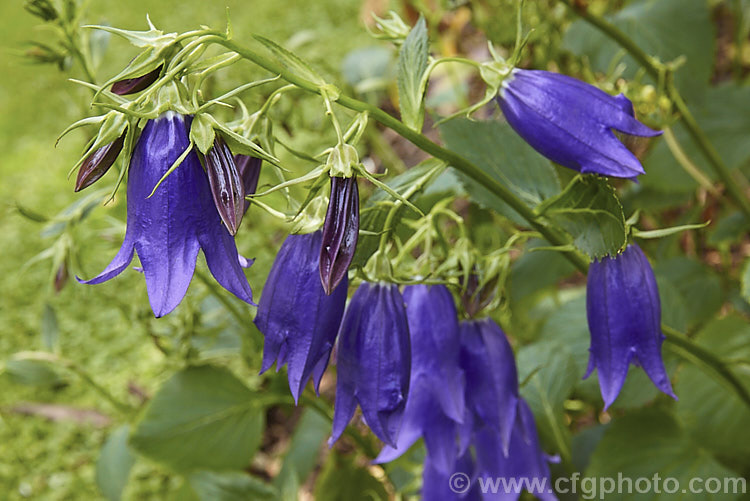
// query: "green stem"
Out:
[419,140]
[656,70]
[683,344]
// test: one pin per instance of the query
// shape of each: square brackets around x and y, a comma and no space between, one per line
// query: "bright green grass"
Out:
[50,461]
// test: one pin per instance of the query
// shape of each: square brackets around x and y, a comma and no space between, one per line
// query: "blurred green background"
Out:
[55,459]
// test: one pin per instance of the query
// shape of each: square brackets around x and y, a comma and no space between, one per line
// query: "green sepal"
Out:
[202,132]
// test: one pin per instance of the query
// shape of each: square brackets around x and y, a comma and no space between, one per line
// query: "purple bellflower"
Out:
[571,122]
[169,228]
[491,378]
[523,467]
[460,484]
[624,316]
[436,396]
[374,361]
[298,319]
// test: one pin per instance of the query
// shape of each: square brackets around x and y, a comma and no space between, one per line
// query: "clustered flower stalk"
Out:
[402,354]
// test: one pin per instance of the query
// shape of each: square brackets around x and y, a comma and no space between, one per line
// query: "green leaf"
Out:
[746,281]
[699,287]
[721,115]
[665,232]
[341,480]
[291,61]
[495,148]
[201,418]
[548,374]
[713,415]
[302,457]
[588,209]
[643,443]
[230,486]
[666,29]
[114,464]
[412,64]
[50,329]
[33,373]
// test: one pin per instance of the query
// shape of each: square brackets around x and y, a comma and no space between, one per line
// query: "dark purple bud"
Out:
[340,232]
[98,163]
[249,170]
[475,298]
[137,84]
[61,277]
[226,185]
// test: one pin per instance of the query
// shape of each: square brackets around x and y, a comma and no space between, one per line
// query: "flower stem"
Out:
[419,140]
[656,69]
[688,349]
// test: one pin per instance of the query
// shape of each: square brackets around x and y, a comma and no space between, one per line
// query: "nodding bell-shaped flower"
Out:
[227,188]
[373,361]
[436,396]
[98,163]
[168,228]
[571,122]
[525,459]
[624,317]
[340,231]
[491,377]
[298,319]
[249,170]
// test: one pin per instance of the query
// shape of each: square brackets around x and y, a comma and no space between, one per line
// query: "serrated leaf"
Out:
[114,464]
[699,287]
[230,486]
[666,29]
[649,441]
[312,431]
[549,374]
[714,416]
[496,149]
[201,418]
[412,64]
[588,209]
[291,61]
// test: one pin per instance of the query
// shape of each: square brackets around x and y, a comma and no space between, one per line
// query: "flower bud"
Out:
[98,163]
[226,185]
[248,168]
[61,277]
[340,232]
[134,85]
